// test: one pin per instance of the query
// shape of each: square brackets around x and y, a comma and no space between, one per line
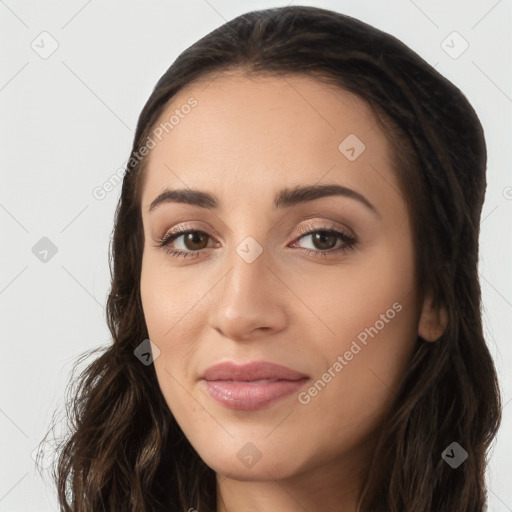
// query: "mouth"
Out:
[251,386]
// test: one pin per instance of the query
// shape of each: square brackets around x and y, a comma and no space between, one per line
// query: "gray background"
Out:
[67,123]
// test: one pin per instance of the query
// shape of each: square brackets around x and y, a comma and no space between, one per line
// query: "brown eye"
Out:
[184,243]
[195,240]
[324,240]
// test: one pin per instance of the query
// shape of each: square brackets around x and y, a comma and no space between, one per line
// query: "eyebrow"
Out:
[285,198]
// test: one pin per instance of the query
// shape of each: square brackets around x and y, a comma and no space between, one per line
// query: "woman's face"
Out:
[339,309]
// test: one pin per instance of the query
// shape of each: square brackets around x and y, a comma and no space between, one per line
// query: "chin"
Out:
[248,463]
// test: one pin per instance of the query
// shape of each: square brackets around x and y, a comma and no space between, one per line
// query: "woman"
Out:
[297,235]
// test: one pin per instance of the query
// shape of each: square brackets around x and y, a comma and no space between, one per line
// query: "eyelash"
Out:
[348,240]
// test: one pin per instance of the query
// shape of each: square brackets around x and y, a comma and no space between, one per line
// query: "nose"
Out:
[250,301]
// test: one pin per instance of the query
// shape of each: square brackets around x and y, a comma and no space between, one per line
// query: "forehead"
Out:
[265,132]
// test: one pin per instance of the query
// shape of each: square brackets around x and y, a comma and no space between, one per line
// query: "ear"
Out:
[433,322]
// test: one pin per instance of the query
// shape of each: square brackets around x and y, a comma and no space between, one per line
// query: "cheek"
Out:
[172,304]
[367,317]
[348,298]
[359,371]
[168,296]
[163,305]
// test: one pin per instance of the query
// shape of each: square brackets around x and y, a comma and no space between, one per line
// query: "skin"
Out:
[246,139]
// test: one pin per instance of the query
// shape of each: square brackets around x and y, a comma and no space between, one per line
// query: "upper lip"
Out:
[256,370]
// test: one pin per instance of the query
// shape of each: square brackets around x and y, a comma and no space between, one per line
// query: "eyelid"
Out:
[308,226]
[186,228]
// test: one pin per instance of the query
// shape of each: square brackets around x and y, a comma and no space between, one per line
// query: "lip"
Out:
[251,386]
[256,370]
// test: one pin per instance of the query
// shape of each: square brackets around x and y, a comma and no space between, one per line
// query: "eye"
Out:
[324,240]
[193,241]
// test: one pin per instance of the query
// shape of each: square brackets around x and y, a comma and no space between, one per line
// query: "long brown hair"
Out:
[126,452]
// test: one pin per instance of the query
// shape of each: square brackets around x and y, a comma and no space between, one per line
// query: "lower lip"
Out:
[247,396]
